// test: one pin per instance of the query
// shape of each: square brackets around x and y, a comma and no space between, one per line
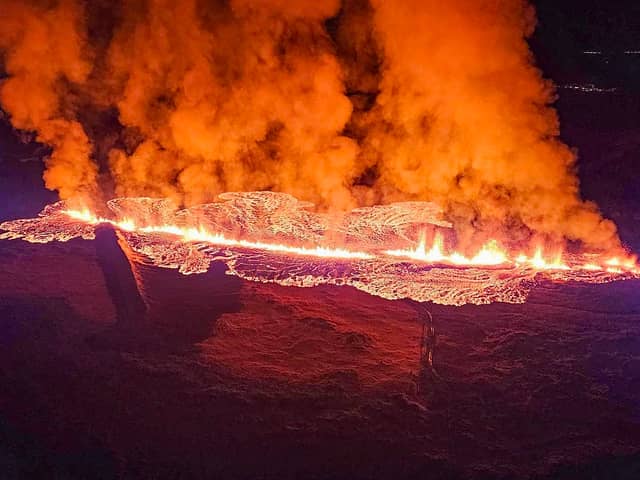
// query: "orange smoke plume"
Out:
[247,96]
[44,60]
[339,103]
[463,118]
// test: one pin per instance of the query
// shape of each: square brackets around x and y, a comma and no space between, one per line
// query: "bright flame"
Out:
[591,266]
[190,234]
[491,253]
[540,263]
[433,255]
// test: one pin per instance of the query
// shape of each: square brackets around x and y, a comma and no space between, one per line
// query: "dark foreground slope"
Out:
[223,378]
[228,379]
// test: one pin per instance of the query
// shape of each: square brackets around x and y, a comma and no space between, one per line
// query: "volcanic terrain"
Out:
[224,377]
[112,368]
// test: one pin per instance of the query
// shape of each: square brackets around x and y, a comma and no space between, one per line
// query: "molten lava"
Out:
[266,236]
[491,254]
[199,234]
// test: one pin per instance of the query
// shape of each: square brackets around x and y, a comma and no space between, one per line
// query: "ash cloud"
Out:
[43,47]
[340,103]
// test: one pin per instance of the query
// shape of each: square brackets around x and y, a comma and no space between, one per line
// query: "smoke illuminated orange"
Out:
[260,99]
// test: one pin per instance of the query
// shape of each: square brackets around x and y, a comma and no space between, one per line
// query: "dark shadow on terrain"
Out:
[185,308]
[119,279]
[160,307]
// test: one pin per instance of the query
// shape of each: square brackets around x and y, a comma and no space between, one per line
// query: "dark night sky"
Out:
[584,24]
[566,28]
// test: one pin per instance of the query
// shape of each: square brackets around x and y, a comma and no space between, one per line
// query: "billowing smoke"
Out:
[341,104]
[43,46]
[462,117]
[233,96]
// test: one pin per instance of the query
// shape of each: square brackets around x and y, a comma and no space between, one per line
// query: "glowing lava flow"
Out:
[490,255]
[190,234]
[285,243]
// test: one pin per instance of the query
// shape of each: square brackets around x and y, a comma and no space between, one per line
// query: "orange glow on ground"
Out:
[490,254]
[190,234]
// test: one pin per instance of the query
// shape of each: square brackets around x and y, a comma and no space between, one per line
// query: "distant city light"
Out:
[587,88]
[599,52]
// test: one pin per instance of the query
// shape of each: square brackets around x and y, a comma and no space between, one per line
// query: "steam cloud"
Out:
[342,104]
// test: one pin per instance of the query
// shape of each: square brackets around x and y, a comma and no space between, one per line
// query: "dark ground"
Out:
[231,379]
